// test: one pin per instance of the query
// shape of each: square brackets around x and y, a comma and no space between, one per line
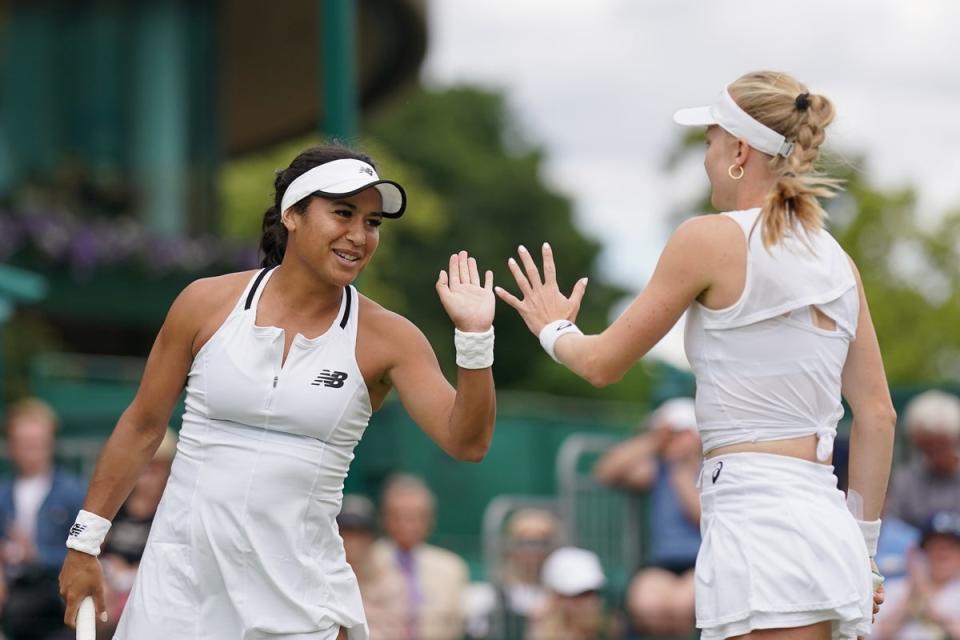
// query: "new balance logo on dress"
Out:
[330,379]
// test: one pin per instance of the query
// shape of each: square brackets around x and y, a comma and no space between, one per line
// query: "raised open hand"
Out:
[542,301]
[468,303]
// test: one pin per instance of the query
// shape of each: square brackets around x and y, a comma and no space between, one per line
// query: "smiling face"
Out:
[335,238]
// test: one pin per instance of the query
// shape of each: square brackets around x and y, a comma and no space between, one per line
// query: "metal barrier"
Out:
[504,625]
[607,521]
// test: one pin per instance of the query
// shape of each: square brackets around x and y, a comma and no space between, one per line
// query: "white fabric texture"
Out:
[245,543]
[726,113]
[88,533]
[474,348]
[764,370]
[779,549]
[28,497]
[553,331]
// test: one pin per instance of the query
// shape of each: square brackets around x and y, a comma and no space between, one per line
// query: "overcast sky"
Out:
[596,82]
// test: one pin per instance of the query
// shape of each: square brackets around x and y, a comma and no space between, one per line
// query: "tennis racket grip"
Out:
[87,620]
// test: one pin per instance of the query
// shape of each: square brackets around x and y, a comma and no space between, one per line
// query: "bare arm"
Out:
[694,254]
[631,464]
[459,420]
[137,435]
[872,434]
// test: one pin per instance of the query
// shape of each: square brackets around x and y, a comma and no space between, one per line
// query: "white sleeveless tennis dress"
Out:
[245,545]
[779,547]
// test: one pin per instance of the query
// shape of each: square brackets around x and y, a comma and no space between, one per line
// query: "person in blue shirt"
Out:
[37,506]
[663,462]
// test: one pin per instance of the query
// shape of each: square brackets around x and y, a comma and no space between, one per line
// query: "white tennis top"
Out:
[245,543]
[764,370]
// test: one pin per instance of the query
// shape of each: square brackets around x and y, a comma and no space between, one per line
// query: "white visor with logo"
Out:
[342,179]
[728,115]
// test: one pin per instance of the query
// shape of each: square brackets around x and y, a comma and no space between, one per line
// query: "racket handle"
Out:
[87,620]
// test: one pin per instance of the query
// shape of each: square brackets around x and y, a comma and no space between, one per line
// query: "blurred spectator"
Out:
[664,461]
[382,589]
[931,481]
[574,607]
[127,538]
[37,508]
[925,605]
[434,578]
[530,536]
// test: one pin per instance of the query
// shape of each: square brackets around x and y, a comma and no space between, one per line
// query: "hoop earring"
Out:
[730,171]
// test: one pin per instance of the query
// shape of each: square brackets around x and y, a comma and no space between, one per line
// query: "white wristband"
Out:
[87,533]
[552,332]
[474,349]
[871,534]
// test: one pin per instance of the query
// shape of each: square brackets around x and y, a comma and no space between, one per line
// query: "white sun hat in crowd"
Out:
[570,571]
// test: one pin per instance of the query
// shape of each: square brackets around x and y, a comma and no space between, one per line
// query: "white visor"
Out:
[728,115]
[344,178]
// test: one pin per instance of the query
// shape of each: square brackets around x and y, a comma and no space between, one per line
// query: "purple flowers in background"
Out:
[90,244]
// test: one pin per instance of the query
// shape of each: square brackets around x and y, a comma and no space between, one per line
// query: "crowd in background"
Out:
[543,588]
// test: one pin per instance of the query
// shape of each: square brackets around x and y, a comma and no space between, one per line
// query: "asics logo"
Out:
[716,471]
[329,378]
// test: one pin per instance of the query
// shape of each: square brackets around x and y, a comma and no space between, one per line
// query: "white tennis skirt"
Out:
[780,549]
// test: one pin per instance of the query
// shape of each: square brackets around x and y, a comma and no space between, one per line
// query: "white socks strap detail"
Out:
[87,533]
[552,331]
[474,349]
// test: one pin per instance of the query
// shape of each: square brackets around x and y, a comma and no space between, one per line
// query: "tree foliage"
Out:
[472,183]
[463,145]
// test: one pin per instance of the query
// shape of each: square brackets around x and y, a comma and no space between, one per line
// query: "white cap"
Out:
[676,414]
[570,571]
[727,114]
[343,178]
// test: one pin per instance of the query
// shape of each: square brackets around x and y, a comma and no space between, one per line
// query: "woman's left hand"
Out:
[542,301]
[878,594]
[470,305]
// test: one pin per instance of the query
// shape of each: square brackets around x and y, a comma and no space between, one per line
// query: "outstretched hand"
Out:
[542,301]
[468,303]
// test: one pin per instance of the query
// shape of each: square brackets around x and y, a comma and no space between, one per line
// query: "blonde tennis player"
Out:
[282,368]
[777,328]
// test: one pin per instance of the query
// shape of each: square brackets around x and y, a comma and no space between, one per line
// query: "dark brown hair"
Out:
[273,242]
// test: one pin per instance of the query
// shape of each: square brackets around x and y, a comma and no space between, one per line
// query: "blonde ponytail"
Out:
[783,104]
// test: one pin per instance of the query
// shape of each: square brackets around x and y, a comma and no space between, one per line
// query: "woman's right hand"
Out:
[542,301]
[80,577]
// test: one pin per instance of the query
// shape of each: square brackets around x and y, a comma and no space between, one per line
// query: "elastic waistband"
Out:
[764,474]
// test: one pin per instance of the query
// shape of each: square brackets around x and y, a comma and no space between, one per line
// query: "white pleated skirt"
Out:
[780,549]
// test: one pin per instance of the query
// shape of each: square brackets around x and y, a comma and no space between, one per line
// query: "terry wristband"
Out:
[552,332]
[87,533]
[871,533]
[474,349]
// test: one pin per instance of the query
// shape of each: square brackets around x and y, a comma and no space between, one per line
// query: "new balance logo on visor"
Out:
[366,170]
[330,379]
[77,529]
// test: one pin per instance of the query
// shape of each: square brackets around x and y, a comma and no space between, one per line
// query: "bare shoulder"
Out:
[207,295]
[708,231]
[204,304]
[377,320]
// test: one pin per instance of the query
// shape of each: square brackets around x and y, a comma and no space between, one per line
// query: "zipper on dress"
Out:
[275,378]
